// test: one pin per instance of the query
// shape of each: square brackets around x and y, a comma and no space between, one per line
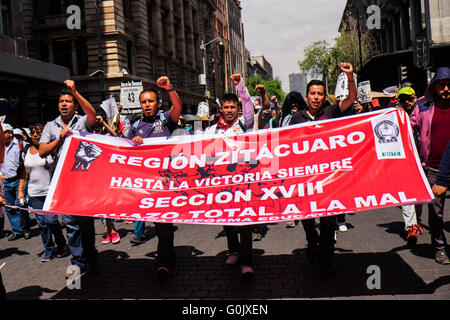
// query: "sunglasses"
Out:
[406,99]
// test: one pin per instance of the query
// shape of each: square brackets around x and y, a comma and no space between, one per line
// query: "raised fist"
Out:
[346,67]
[274,99]
[71,85]
[235,79]
[163,82]
[260,89]
[87,152]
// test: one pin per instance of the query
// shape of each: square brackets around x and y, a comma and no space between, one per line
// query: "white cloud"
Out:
[280,30]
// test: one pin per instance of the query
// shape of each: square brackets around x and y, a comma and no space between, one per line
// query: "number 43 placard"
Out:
[129,96]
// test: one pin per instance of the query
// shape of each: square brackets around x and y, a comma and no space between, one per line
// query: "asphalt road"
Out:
[375,238]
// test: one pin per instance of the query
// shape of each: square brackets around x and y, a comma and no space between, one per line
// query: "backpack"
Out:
[136,124]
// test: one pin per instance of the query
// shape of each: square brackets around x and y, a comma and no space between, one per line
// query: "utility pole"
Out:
[101,75]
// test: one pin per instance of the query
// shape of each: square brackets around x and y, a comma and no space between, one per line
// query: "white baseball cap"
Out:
[7,127]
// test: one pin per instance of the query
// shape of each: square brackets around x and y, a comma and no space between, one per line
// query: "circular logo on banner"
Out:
[387,131]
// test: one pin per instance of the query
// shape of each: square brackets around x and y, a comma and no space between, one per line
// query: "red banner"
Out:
[299,172]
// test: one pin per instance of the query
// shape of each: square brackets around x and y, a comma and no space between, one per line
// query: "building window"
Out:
[62,53]
[82,56]
[5,17]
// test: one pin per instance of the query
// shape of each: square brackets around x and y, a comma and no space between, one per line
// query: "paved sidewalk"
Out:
[282,272]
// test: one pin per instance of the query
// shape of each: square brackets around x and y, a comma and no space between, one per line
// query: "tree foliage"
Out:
[322,58]
[273,87]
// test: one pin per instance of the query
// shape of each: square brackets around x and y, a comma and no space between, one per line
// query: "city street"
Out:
[282,272]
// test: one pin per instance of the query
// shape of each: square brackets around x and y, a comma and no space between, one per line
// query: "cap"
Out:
[17,131]
[7,127]
[407,90]
[28,132]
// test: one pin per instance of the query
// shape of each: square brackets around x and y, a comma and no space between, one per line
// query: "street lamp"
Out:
[100,55]
[359,33]
[203,48]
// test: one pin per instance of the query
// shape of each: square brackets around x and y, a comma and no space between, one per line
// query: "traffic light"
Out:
[402,74]
[421,52]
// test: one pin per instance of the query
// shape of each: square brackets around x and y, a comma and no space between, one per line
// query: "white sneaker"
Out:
[343,227]
[290,224]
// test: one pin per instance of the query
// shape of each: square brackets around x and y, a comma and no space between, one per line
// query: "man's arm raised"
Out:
[84,104]
[347,68]
[177,105]
[248,110]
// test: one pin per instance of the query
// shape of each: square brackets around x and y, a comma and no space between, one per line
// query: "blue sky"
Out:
[280,30]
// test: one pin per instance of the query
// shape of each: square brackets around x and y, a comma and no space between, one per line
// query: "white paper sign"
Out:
[129,96]
[341,91]
[110,107]
[203,109]
[364,92]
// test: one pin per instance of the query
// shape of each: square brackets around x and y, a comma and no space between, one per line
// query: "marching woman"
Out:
[38,174]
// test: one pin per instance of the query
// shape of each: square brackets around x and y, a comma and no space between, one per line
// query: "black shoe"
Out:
[137,240]
[14,237]
[27,235]
[62,252]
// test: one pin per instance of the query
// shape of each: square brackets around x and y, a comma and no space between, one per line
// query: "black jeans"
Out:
[166,250]
[325,239]
[2,289]
[243,247]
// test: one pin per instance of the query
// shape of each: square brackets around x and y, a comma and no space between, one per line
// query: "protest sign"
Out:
[364,92]
[341,90]
[110,107]
[129,96]
[303,171]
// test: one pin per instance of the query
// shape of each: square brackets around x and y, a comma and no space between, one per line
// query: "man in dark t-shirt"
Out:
[315,97]
[156,124]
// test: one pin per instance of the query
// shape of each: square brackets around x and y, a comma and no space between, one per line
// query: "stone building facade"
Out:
[140,40]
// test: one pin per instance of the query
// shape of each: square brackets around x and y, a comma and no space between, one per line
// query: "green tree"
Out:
[347,44]
[321,59]
[273,87]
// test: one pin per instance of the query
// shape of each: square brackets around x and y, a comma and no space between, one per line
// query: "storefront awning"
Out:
[27,67]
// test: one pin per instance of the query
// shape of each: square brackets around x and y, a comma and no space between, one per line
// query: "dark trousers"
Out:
[2,289]
[244,246]
[435,214]
[166,250]
[2,224]
[340,218]
[325,239]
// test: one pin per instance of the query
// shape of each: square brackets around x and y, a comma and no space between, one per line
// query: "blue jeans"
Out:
[139,228]
[81,239]
[48,225]
[19,219]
